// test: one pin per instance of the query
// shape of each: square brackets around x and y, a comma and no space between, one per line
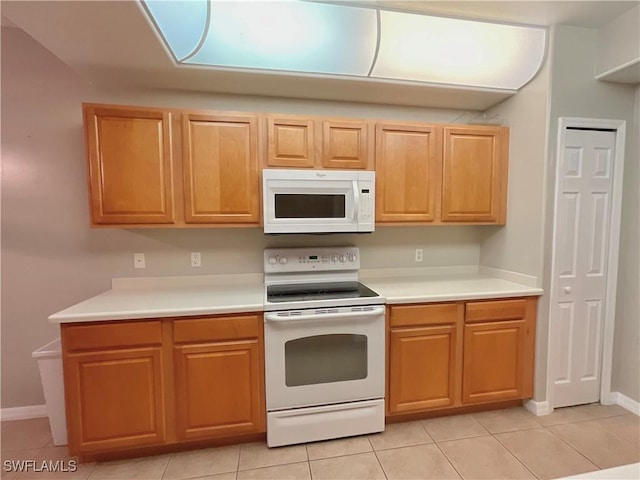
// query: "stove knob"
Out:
[272,260]
[283,260]
[352,257]
[334,258]
[343,258]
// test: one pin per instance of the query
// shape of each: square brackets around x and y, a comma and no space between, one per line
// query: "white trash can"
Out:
[49,358]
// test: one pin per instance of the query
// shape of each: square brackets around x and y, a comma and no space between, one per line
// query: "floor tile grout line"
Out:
[166,467]
[515,456]
[449,461]
[309,468]
[376,455]
[511,453]
[572,447]
[238,461]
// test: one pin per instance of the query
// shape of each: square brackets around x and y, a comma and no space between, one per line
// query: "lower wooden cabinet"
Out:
[451,355]
[425,356]
[219,377]
[134,384]
[498,350]
[115,399]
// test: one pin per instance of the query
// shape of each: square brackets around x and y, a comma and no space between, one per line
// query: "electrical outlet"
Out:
[195,259]
[418,254]
[138,260]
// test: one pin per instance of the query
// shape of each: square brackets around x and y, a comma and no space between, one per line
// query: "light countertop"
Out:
[161,297]
[441,285]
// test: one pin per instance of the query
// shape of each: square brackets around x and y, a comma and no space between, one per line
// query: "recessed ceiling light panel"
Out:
[331,39]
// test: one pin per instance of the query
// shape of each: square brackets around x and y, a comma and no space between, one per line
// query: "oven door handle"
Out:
[273,317]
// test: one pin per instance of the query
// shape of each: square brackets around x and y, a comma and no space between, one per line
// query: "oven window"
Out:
[325,359]
[309,206]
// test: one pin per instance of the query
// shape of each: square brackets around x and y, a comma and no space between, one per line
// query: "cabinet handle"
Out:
[567,290]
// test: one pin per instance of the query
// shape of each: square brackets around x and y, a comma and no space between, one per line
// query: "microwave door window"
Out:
[292,205]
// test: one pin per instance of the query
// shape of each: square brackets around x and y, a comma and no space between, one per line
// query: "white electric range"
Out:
[324,346]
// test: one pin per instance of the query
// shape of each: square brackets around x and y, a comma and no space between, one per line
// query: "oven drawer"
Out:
[326,422]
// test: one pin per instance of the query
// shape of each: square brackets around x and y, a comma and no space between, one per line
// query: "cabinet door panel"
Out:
[345,145]
[218,389]
[130,165]
[115,399]
[290,142]
[474,170]
[494,356]
[406,173]
[422,368]
[221,179]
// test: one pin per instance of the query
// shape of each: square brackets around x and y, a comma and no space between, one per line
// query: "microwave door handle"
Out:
[356,201]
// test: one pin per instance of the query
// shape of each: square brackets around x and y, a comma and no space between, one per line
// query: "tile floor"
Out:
[501,444]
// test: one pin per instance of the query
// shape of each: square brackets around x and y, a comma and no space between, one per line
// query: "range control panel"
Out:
[284,260]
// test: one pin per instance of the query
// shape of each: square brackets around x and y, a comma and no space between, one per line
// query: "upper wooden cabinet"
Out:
[220,167]
[435,174]
[407,168]
[290,142]
[474,174]
[345,145]
[183,168]
[130,165]
[302,142]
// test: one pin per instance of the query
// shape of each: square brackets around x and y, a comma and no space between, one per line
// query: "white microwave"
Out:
[318,201]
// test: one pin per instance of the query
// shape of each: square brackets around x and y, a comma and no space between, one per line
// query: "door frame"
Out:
[619,127]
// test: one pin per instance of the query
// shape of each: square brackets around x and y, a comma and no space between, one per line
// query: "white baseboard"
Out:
[538,408]
[23,413]
[626,402]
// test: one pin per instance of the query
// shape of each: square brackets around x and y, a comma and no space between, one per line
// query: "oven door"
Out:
[324,358]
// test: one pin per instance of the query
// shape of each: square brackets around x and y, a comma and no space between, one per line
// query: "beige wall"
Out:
[518,246]
[575,93]
[626,347]
[52,259]
[619,42]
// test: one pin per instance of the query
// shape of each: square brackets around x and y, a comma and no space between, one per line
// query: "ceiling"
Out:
[112,43]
